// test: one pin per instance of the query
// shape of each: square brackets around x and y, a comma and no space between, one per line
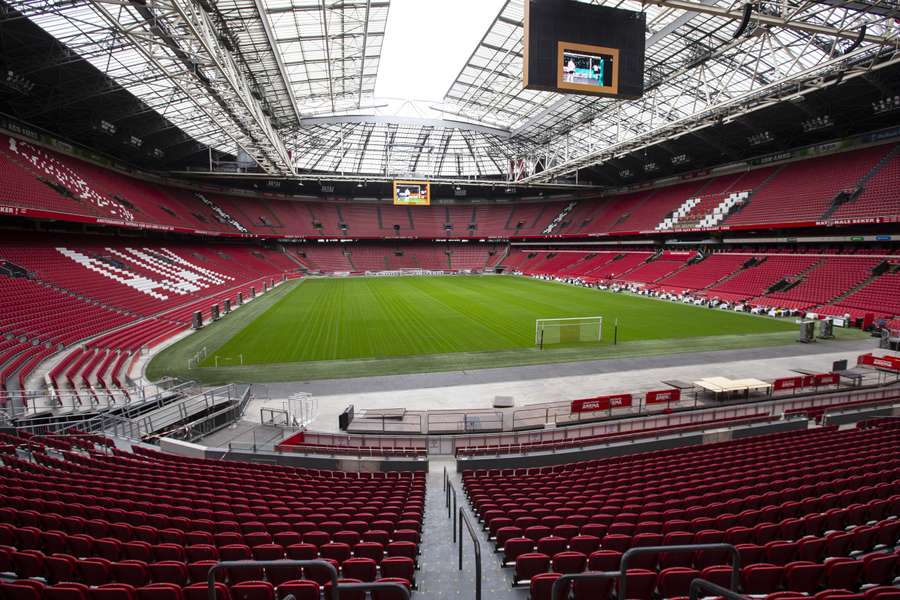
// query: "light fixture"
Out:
[758,139]
[817,123]
[886,105]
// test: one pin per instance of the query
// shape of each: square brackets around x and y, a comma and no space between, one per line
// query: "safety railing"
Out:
[476,547]
[336,587]
[459,520]
[622,574]
[698,586]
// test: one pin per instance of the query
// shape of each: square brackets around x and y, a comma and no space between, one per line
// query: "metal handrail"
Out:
[452,507]
[332,573]
[374,586]
[476,546]
[735,560]
[702,585]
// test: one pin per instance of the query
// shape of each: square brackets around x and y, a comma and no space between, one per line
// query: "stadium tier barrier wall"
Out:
[625,448]
[855,405]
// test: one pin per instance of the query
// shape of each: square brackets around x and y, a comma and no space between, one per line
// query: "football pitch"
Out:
[344,327]
[377,317]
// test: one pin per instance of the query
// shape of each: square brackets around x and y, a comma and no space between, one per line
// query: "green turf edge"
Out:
[173,360]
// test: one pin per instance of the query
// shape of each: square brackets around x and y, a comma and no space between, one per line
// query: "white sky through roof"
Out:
[427,43]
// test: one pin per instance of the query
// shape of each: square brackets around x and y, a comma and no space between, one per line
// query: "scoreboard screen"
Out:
[590,69]
[412,193]
[573,47]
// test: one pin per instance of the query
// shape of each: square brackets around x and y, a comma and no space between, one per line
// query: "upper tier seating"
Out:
[880,196]
[151,519]
[804,190]
[37,178]
[822,496]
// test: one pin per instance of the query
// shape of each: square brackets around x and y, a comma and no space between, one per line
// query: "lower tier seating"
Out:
[152,524]
[808,511]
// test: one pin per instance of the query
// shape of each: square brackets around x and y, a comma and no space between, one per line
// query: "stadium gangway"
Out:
[336,588]
[32,403]
[621,574]
[460,519]
[167,416]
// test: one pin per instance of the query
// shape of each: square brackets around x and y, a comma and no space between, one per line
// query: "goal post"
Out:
[567,330]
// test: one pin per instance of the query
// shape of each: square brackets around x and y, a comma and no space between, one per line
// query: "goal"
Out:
[569,330]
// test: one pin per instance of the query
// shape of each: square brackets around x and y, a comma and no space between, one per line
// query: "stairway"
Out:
[559,218]
[739,207]
[732,275]
[844,198]
[439,576]
[837,299]
[790,281]
[687,264]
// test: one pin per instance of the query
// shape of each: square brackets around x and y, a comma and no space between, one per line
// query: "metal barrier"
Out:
[702,585]
[735,560]
[622,573]
[451,510]
[463,519]
[327,566]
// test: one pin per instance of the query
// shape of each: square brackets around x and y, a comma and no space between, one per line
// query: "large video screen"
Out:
[591,69]
[412,193]
[574,47]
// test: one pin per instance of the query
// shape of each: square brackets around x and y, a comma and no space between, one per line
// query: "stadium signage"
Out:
[601,403]
[826,379]
[787,383]
[890,363]
[662,396]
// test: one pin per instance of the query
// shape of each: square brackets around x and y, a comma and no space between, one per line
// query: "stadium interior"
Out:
[269,333]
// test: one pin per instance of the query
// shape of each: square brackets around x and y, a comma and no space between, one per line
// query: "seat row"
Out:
[298,589]
[798,580]
[61,567]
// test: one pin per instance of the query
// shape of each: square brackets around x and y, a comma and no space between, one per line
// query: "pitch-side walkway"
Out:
[548,383]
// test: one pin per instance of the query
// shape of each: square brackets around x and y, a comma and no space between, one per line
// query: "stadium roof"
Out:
[290,84]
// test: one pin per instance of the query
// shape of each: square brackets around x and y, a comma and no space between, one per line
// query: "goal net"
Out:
[569,330]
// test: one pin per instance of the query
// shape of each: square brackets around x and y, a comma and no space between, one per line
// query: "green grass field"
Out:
[332,328]
[340,319]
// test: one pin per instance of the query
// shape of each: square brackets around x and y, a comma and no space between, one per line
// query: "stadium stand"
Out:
[856,184]
[106,285]
[147,520]
[804,191]
[703,274]
[823,525]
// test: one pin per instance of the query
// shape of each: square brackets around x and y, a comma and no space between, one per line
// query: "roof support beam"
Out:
[270,37]
[764,19]
[848,66]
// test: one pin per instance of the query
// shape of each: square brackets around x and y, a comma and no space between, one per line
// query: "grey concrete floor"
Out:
[439,576]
